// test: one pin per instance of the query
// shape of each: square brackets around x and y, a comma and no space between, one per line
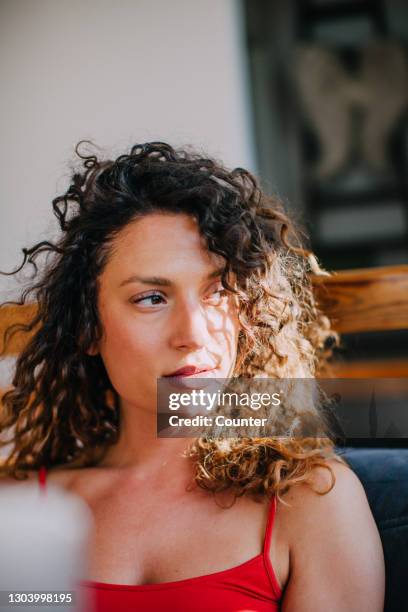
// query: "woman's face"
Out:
[162,307]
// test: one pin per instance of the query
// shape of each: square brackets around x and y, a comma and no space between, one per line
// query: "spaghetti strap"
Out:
[269,526]
[267,548]
[42,478]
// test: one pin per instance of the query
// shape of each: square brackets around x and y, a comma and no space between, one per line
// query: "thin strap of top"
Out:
[267,548]
[269,526]
[42,478]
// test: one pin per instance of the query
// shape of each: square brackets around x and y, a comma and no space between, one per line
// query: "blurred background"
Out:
[310,95]
[329,84]
[118,73]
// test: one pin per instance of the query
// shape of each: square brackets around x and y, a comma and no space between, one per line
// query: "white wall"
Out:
[117,72]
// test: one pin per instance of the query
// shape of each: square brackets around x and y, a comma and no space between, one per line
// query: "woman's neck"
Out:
[139,450]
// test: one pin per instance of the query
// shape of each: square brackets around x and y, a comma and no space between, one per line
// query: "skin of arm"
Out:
[336,555]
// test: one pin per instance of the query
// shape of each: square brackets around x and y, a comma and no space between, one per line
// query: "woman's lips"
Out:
[189,371]
[182,380]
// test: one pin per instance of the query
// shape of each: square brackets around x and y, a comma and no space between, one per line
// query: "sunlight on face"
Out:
[162,307]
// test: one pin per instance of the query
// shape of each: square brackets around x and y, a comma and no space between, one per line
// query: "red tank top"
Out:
[249,587]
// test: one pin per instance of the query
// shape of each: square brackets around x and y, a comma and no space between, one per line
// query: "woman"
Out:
[170,264]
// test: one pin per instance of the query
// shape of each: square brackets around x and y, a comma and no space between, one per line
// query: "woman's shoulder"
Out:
[321,518]
[331,535]
[330,484]
[333,499]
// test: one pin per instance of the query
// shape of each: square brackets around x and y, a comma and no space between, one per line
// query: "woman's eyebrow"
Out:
[164,282]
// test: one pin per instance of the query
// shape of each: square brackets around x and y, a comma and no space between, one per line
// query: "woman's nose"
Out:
[190,325]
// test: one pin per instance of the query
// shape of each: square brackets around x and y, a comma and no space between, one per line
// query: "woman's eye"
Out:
[155,299]
[144,299]
[219,294]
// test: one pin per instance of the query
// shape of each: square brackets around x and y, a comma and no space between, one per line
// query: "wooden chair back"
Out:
[367,300]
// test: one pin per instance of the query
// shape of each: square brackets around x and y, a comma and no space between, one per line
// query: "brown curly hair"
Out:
[63,408]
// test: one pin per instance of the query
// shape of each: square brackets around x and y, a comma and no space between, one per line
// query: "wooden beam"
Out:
[376,368]
[372,299]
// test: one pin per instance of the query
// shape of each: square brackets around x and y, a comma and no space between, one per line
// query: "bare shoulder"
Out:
[335,500]
[335,547]
[328,485]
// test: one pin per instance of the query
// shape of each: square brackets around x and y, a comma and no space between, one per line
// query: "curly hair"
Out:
[63,408]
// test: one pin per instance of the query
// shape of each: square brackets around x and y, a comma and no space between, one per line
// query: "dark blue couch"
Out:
[384,475]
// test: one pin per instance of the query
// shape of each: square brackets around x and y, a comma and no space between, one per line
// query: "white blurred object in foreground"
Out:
[43,543]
